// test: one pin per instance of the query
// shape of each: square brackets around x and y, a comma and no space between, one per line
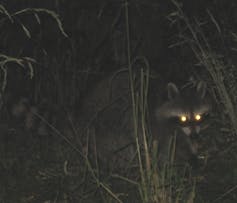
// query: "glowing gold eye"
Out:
[183,118]
[198,117]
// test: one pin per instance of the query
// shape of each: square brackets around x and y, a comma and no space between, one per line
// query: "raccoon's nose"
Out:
[194,135]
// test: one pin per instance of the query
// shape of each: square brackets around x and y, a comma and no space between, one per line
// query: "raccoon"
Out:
[36,118]
[183,114]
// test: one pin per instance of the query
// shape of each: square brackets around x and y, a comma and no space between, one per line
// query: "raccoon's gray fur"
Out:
[110,121]
[106,118]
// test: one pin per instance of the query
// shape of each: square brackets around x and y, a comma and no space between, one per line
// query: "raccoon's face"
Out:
[186,113]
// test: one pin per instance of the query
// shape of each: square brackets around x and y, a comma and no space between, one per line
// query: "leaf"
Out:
[214,21]
[31,69]
[27,32]
[37,18]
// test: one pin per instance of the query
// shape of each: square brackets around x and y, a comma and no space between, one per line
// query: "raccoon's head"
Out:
[186,112]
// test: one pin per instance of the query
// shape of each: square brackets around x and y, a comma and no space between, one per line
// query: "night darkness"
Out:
[80,85]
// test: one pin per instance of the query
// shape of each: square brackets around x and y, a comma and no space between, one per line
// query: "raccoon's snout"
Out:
[194,136]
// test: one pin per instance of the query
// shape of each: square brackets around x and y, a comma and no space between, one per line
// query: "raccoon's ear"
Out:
[173,91]
[201,89]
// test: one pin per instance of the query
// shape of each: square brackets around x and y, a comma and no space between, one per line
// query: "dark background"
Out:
[67,68]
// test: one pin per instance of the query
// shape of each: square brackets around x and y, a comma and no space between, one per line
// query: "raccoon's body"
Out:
[181,115]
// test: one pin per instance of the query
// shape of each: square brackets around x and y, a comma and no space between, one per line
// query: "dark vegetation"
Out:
[52,56]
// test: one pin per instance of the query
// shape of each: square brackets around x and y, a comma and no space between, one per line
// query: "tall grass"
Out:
[157,184]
